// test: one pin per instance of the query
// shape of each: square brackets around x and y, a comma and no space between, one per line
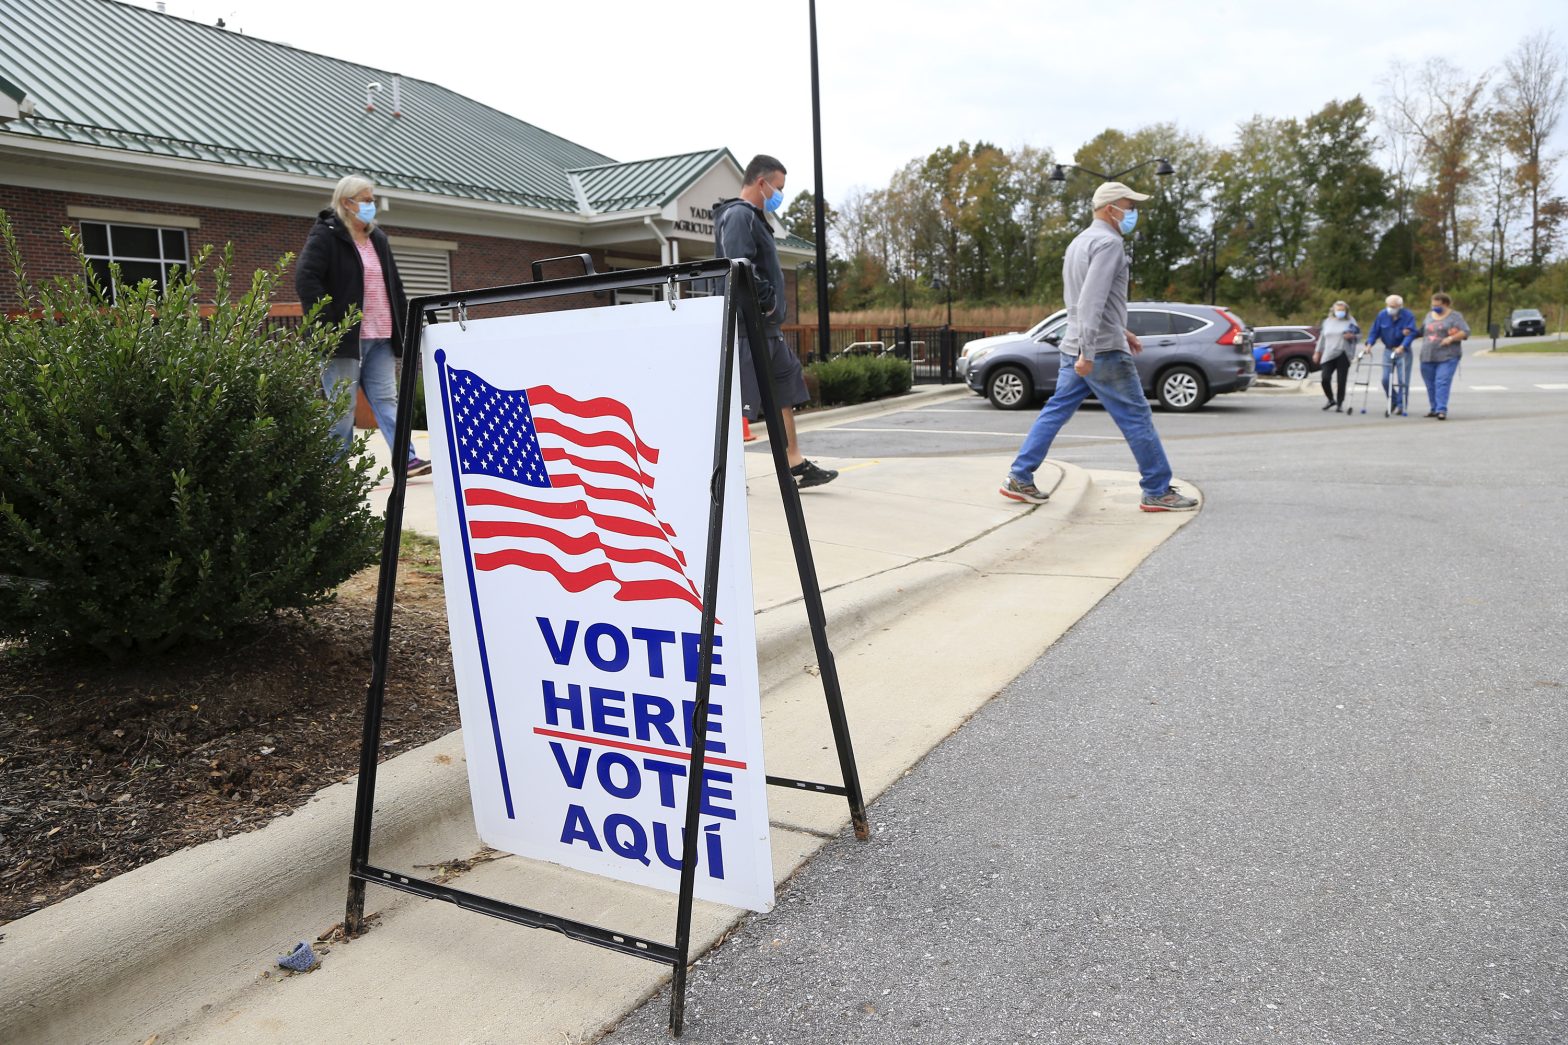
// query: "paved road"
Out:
[1299,779]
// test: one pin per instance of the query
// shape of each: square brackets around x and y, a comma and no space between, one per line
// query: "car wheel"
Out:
[1009,388]
[1297,368]
[1182,389]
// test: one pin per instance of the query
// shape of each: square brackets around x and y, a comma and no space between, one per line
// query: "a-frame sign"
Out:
[472,477]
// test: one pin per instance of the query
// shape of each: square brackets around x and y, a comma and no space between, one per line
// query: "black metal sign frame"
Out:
[740,307]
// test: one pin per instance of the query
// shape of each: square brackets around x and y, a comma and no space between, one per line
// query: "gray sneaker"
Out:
[1170,501]
[1018,491]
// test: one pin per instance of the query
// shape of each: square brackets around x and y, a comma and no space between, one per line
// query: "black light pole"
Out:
[903,288]
[820,222]
[948,339]
[1491,272]
[1214,264]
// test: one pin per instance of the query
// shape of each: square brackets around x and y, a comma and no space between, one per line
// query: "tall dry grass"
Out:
[1010,317]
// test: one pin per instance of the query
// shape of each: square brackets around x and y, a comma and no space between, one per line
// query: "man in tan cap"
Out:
[1097,352]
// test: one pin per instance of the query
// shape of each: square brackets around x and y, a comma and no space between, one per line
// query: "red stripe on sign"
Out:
[592,409]
[581,580]
[684,756]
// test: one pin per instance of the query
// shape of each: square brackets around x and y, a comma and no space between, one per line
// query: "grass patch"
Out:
[1539,346]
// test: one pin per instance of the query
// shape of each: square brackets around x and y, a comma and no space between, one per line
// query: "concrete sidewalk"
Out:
[938,593]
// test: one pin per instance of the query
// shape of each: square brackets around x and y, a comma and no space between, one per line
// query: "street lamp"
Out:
[1491,271]
[1059,171]
[903,290]
[949,341]
[938,283]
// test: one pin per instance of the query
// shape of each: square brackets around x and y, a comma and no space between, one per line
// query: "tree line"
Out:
[1446,181]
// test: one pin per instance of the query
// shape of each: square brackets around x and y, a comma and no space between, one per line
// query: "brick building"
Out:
[151,136]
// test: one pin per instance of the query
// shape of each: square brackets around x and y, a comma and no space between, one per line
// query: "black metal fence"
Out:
[932,352]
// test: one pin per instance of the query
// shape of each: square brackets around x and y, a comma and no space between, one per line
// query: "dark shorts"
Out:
[789,381]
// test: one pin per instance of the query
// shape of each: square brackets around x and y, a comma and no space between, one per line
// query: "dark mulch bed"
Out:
[105,768]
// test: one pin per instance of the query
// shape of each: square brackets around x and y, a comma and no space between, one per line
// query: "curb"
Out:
[918,396]
[155,946]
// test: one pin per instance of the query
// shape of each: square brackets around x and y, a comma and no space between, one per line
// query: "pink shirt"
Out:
[377,308]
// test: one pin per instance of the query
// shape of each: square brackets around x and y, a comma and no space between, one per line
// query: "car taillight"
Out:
[1268,355]
[1230,336]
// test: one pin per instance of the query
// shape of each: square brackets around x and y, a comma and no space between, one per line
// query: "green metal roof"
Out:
[109,74]
[644,183]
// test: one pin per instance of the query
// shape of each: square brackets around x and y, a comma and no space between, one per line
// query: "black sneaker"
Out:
[807,473]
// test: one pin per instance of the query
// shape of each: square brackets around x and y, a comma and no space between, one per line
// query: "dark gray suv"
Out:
[1191,353]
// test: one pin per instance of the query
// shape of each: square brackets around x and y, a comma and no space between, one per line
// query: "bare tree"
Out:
[1529,101]
[1445,112]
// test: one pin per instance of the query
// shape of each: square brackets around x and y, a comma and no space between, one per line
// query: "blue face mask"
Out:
[367,212]
[1129,221]
[775,201]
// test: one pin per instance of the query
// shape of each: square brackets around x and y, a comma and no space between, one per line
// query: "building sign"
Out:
[572,454]
[698,220]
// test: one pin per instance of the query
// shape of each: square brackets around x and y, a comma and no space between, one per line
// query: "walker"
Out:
[1368,368]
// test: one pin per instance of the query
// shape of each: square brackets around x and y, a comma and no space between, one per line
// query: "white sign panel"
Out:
[572,454]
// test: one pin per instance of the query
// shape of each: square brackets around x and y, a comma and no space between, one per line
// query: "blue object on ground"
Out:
[300,959]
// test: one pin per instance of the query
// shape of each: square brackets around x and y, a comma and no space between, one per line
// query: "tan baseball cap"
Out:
[1112,191]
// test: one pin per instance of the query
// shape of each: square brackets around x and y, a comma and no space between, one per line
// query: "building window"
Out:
[141,251]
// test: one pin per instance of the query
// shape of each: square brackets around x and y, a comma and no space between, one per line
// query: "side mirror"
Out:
[1052,339]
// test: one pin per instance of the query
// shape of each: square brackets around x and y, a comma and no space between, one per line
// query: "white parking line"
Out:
[1488,388]
[956,431]
[1553,388]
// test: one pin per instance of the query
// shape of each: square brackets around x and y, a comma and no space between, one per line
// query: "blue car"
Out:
[1263,359]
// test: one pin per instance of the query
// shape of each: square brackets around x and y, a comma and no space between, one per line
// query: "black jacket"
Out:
[741,231]
[329,266]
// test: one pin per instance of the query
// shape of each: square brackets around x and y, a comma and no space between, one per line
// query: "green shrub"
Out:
[900,378]
[840,381]
[165,476]
[876,375]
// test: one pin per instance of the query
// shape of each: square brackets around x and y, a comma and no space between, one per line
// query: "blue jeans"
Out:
[1438,378]
[1402,363]
[376,372]
[1114,381]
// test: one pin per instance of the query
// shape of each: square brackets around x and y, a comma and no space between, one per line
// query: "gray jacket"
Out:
[1094,283]
[1332,342]
[741,231]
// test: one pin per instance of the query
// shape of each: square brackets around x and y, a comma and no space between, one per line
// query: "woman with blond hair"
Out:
[348,262]
[1336,337]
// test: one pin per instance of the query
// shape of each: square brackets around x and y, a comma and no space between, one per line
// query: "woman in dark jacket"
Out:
[348,261]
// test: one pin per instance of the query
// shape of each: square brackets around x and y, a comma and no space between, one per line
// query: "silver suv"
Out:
[1191,353]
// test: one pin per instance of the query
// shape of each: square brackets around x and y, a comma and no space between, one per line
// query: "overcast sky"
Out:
[637,80]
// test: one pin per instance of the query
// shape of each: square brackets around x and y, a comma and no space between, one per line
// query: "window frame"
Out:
[109,255]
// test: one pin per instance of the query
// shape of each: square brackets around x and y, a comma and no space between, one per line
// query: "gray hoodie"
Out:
[741,231]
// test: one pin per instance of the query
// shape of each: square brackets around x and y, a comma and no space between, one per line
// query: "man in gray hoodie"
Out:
[741,230]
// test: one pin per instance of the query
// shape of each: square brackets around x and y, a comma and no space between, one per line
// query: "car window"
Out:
[1055,330]
[1265,337]
[1185,324]
[1148,322]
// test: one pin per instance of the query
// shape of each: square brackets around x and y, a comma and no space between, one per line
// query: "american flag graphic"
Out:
[562,486]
